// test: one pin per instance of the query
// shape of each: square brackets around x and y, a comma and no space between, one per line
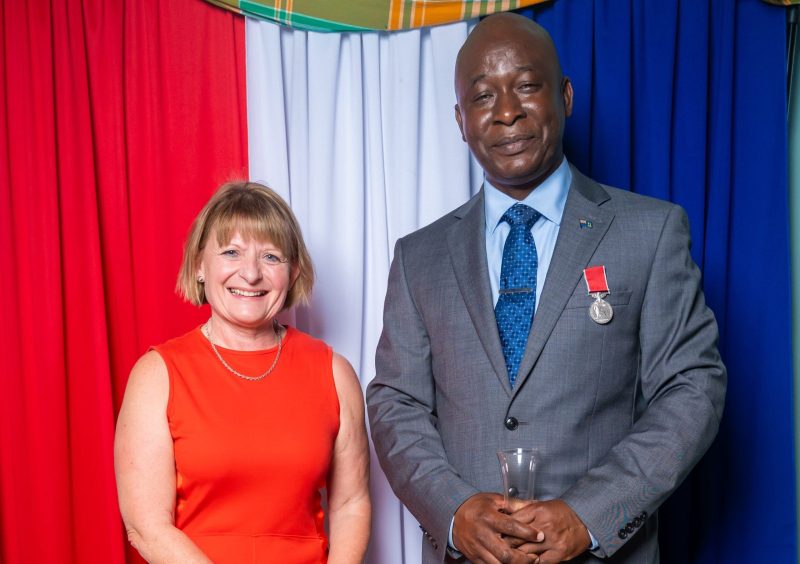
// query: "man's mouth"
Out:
[247,293]
[513,144]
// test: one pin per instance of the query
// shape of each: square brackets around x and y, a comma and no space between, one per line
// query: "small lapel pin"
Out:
[585,223]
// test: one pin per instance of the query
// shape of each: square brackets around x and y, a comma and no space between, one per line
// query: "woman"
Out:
[227,434]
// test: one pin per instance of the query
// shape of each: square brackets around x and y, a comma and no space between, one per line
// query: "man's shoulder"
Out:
[622,200]
[633,212]
[616,198]
[632,208]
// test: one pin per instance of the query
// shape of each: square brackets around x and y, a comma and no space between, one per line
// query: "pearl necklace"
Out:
[206,330]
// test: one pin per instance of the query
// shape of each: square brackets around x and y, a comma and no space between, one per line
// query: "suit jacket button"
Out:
[512,423]
[630,528]
[623,534]
[644,514]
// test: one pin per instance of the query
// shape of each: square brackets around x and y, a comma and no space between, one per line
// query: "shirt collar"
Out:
[548,198]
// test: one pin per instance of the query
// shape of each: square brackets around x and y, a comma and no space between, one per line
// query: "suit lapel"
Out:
[466,241]
[574,249]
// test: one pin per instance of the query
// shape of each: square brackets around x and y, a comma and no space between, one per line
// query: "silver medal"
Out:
[600,311]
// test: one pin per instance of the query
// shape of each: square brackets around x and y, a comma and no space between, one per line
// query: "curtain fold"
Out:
[793,115]
[118,121]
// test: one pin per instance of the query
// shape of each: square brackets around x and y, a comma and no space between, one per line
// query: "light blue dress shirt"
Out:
[549,199]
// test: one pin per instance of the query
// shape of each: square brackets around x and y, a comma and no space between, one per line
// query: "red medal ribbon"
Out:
[595,277]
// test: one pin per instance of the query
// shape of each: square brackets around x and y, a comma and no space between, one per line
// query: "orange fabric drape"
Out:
[119,119]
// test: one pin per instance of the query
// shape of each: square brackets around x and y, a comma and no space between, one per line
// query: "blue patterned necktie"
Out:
[517,301]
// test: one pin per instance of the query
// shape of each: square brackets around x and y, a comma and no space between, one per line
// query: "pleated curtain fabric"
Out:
[118,121]
[357,132]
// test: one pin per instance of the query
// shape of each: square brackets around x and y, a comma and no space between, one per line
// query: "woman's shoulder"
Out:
[188,341]
[306,342]
[302,339]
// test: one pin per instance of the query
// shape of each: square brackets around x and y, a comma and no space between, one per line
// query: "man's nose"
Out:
[508,108]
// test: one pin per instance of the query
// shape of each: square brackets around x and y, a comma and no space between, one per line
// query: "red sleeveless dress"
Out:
[251,457]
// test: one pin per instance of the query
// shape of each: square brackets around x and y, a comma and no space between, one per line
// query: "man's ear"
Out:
[566,94]
[458,121]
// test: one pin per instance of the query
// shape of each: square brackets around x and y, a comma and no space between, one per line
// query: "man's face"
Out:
[512,103]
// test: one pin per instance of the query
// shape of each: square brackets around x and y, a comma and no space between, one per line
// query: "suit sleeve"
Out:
[401,402]
[682,382]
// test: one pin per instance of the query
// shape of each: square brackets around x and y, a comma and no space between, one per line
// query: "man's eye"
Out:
[482,97]
[529,86]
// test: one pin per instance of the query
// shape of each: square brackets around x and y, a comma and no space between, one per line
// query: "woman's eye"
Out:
[230,253]
[270,258]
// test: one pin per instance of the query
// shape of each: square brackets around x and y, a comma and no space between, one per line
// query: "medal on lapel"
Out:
[596,283]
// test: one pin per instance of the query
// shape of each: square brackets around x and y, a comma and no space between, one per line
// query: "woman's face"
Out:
[246,281]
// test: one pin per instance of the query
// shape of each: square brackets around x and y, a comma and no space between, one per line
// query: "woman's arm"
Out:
[349,507]
[145,467]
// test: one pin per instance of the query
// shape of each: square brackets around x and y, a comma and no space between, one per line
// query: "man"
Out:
[615,378]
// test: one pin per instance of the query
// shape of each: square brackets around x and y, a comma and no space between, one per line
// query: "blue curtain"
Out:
[794,203]
[686,101]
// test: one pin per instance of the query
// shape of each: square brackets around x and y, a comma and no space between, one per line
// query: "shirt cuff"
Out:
[451,548]
[595,544]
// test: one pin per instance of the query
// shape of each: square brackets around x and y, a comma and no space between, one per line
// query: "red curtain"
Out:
[117,121]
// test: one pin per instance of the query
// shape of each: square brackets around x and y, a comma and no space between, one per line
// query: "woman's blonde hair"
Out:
[254,211]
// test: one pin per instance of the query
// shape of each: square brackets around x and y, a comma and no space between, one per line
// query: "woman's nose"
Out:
[250,270]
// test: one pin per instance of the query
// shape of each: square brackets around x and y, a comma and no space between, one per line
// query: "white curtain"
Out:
[356,132]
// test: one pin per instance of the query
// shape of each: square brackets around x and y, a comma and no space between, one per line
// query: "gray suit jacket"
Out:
[620,412]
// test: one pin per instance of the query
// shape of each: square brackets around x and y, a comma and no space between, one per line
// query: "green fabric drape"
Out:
[368,15]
